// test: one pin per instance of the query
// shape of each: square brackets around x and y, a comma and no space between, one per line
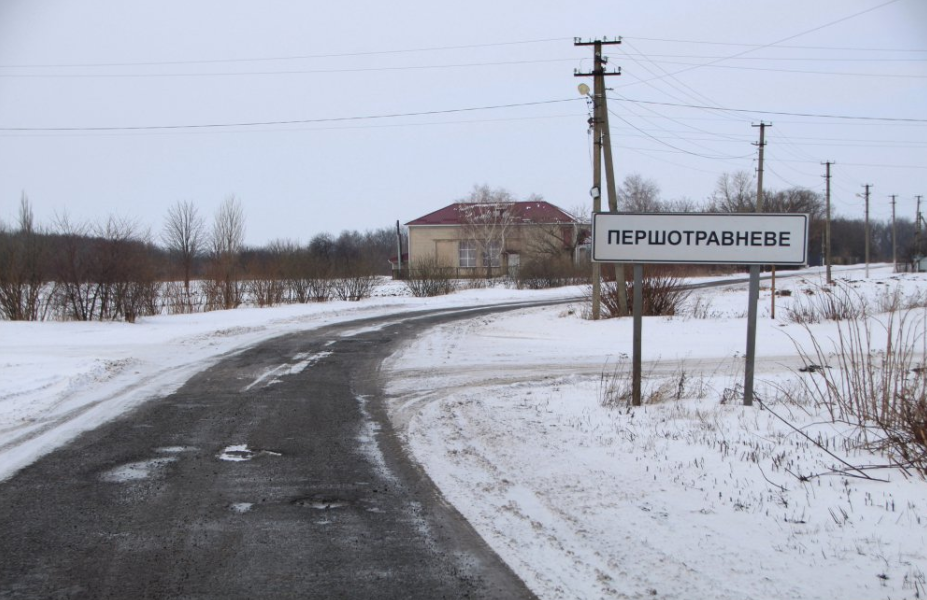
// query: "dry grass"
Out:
[873,378]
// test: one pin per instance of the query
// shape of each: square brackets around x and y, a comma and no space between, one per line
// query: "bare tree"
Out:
[682,204]
[637,194]
[105,272]
[73,267]
[24,273]
[183,234]
[487,218]
[734,192]
[226,243]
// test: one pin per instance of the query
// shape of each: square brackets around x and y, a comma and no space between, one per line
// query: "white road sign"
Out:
[701,238]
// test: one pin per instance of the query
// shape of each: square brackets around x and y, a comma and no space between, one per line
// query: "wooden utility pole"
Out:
[867,186]
[399,250]
[894,237]
[602,141]
[827,259]
[754,291]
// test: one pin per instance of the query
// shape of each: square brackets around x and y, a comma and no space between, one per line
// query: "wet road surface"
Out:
[274,474]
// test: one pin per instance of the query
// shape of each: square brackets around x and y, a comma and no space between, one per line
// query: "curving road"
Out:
[274,474]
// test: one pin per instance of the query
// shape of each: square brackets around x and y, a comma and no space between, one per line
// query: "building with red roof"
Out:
[491,238]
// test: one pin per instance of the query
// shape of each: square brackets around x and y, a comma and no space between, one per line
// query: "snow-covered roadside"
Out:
[60,379]
[680,499]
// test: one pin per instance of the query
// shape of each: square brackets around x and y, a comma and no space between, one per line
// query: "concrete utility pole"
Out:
[917,229]
[754,293]
[827,259]
[894,237]
[602,141]
[867,186]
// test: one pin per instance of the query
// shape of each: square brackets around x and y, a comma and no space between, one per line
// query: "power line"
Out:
[298,129]
[791,37]
[777,46]
[266,73]
[714,65]
[773,58]
[280,58]
[772,112]
[660,141]
[293,121]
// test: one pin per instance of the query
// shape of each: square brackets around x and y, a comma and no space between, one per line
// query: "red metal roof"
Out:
[535,211]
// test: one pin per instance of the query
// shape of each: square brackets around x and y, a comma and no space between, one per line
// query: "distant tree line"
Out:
[736,192]
[118,270]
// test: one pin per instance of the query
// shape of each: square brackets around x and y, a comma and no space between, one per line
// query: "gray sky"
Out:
[116,64]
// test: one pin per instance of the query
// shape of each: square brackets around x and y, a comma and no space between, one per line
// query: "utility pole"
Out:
[917,231]
[827,259]
[602,140]
[867,186]
[754,293]
[399,250]
[894,237]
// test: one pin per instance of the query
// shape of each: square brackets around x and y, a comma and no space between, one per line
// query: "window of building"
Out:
[493,255]
[466,254]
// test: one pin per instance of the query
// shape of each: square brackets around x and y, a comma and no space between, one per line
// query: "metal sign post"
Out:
[700,238]
[638,321]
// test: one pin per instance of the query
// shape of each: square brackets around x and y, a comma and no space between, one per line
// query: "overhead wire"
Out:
[773,112]
[688,91]
[283,58]
[658,140]
[773,58]
[277,73]
[277,130]
[785,39]
[293,121]
[712,65]
[777,46]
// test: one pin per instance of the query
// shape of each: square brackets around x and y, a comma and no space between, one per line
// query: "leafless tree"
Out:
[226,243]
[105,272]
[487,218]
[683,204]
[183,235]
[637,194]
[795,200]
[24,273]
[73,268]
[734,192]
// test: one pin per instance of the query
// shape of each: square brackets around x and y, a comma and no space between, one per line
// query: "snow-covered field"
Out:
[683,498]
[689,498]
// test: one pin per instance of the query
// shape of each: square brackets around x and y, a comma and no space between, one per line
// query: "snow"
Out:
[692,495]
[59,379]
[681,498]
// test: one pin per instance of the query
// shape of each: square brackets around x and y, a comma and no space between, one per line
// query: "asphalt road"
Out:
[274,474]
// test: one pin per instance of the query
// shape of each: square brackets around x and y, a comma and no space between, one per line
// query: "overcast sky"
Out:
[116,74]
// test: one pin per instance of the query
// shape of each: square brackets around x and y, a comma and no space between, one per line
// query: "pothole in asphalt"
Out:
[174,449]
[136,471]
[242,453]
[323,502]
[241,507]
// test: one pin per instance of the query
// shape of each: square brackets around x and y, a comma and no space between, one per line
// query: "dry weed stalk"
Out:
[877,384]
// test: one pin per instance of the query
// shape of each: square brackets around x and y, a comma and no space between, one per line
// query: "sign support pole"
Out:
[638,322]
[751,239]
[753,300]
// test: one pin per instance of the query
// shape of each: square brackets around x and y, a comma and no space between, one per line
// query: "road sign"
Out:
[701,238]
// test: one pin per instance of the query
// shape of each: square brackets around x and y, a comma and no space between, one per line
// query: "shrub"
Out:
[544,272]
[822,303]
[428,277]
[877,386]
[664,295]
